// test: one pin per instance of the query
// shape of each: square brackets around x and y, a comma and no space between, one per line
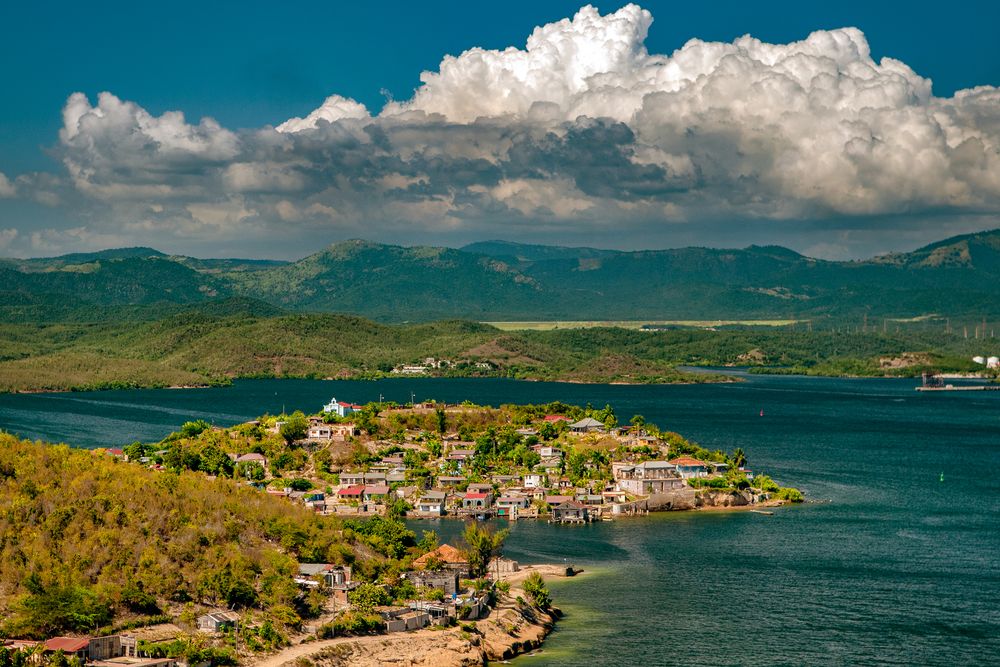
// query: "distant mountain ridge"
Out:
[499,280]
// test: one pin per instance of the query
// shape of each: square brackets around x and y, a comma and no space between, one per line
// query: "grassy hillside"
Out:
[501,281]
[234,338]
[86,540]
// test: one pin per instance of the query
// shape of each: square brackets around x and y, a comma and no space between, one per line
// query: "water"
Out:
[888,565]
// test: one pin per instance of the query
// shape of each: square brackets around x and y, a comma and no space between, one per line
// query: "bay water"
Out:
[895,559]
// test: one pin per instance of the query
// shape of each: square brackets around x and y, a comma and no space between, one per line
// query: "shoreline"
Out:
[508,631]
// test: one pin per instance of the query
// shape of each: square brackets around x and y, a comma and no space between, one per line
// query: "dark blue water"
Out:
[888,565]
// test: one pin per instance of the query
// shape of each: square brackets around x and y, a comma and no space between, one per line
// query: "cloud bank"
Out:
[582,131]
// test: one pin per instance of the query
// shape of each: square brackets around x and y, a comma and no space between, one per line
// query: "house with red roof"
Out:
[341,409]
[70,646]
[688,467]
[477,500]
[355,492]
[450,557]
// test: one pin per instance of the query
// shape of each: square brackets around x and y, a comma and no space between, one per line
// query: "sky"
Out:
[249,129]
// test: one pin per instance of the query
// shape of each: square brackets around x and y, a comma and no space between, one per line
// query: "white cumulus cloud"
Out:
[583,128]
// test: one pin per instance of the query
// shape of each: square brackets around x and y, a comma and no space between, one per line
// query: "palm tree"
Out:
[739,458]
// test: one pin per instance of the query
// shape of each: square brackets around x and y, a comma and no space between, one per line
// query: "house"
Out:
[252,457]
[511,506]
[571,512]
[218,621]
[526,432]
[352,478]
[534,481]
[460,457]
[445,580]
[341,409]
[374,478]
[374,492]
[449,557]
[112,647]
[449,480]
[355,492]
[405,492]
[555,501]
[480,487]
[432,502]
[550,465]
[394,462]
[71,646]
[404,619]
[336,577]
[688,467]
[587,425]
[505,480]
[647,477]
[395,477]
[547,451]
[319,432]
[476,501]
[343,431]
[615,496]
[125,661]
[590,498]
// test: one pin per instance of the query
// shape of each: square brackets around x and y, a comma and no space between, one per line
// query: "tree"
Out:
[442,420]
[295,427]
[483,546]
[368,596]
[194,428]
[739,459]
[534,586]
[638,421]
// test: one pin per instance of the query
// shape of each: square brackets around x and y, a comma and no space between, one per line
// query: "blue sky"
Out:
[249,65]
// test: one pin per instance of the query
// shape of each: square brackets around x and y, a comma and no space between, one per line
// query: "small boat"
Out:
[767,512]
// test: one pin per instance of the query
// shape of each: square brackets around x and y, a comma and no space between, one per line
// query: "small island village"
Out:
[373,464]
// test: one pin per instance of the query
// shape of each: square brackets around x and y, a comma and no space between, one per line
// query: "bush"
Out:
[355,623]
[790,494]
[534,586]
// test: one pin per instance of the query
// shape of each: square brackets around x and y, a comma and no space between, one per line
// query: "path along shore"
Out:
[510,630]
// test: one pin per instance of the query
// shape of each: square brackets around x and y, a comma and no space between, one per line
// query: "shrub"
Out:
[534,586]
[790,494]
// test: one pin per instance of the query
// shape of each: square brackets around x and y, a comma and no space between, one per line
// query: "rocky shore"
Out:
[510,630]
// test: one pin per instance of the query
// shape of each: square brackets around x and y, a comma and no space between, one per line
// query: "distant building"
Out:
[647,477]
[688,467]
[445,580]
[450,558]
[587,425]
[217,621]
[432,502]
[341,409]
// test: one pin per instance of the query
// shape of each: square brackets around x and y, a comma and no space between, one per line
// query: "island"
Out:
[296,539]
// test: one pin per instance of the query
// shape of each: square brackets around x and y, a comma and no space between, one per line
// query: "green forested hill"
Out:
[494,281]
[237,337]
[86,540]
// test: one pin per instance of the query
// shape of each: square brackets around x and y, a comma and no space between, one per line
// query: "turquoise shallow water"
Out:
[888,565]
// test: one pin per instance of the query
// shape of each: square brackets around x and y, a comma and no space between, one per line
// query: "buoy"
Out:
[941,478]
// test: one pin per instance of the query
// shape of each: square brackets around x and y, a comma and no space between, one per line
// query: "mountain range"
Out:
[497,280]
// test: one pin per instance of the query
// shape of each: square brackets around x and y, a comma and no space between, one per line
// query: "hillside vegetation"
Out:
[496,281]
[218,341]
[86,540]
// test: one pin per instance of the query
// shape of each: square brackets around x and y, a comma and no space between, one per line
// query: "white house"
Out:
[534,481]
[432,502]
[341,409]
